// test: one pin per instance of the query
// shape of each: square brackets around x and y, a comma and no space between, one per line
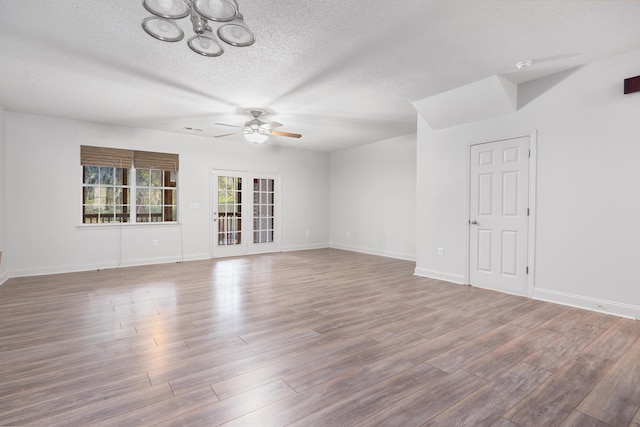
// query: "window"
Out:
[105,194]
[111,175]
[156,199]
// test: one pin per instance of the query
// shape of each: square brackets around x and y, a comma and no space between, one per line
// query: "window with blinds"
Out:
[111,176]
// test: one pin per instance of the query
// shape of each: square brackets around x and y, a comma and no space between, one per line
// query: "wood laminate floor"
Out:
[310,338]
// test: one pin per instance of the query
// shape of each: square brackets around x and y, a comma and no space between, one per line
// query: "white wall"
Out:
[588,151]
[373,198]
[3,198]
[44,195]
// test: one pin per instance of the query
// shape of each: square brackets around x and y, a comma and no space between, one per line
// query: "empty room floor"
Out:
[309,338]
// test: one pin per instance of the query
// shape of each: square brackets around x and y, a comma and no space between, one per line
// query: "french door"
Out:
[245,212]
[498,215]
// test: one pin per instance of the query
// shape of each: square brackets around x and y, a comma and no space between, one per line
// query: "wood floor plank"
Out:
[103,412]
[616,340]
[636,420]
[509,354]
[616,399]
[450,339]
[565,321]
[178,407]
[333,368]
[290,365]
[35,404]
[357,406]
[554,400]
[578,419]
[210,373]
[565,348]
[600,320]
[475,348]
[307,402]
[538,316]
[427,402]
[504,423]
[437,323]
[485,406]
[225,410]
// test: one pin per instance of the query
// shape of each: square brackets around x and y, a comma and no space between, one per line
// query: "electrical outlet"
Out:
[348,234]
[154,242]
[306,233]
[440,251]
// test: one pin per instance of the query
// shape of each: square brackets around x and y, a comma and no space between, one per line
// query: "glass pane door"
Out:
[229,230]
[245,213]
[265,213]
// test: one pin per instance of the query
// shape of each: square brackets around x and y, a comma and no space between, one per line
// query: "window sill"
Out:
[127,225]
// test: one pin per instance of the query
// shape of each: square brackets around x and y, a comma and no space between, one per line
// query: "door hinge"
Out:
[529,153]
[527,269]
[527,211]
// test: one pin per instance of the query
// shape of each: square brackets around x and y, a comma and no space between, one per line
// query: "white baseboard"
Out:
[4,277]
[377,252]
[593,304]
[440,275]
[197,257]
[60,269]
[103,265]
[306,247]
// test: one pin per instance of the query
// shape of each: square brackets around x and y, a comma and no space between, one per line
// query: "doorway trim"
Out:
[531,237]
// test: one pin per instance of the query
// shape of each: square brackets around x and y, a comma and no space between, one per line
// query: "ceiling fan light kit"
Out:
[256,137]
[231,29]
[256,130]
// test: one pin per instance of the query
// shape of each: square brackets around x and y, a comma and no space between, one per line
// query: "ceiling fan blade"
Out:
[227,134]
[271,125]
[289,134]
[224,124]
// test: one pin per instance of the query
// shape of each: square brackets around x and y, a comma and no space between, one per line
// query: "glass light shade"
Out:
[258,138]
[216,10]
[236,33]
[205,44]
[161,29]
[170,9]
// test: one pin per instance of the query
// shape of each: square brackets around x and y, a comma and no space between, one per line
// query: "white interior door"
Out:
[245,212]
[498,215]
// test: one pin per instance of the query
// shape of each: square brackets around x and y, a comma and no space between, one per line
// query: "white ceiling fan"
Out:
[255,130]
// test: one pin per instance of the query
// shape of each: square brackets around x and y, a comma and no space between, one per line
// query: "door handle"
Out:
[473,221]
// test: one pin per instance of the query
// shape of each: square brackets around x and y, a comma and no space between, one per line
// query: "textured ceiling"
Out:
[342,73]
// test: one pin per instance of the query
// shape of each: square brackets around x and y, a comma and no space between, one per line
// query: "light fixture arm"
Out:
[199,23]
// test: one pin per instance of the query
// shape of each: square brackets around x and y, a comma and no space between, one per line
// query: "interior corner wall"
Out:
[373,198]
[3,198]
[587,242]
[44,183]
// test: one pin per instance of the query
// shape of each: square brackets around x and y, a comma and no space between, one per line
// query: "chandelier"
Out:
[231,27]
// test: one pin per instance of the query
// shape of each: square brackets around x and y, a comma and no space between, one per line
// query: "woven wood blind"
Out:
[151,160]
[100,156]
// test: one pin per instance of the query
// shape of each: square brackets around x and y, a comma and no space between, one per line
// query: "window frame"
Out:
[165,188]
[126,190]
